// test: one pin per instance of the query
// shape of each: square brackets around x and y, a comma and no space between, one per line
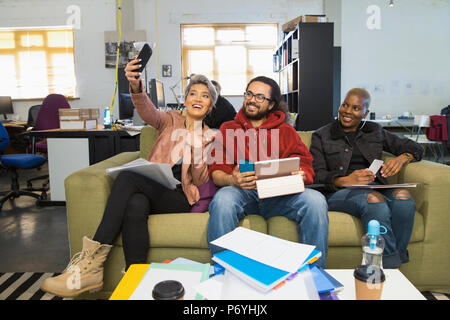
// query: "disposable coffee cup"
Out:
[168,290]
[369,281]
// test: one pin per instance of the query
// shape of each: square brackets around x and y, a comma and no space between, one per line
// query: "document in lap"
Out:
[383,186]
[159,172]
[274,177]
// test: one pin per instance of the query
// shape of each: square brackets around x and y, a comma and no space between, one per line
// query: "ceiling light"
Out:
[391,3]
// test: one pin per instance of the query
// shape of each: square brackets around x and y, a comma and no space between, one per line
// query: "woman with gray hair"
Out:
[133,197]
[201,79]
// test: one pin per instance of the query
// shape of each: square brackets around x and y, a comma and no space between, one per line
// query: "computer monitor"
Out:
[126,107]
[157,93]
[6,106]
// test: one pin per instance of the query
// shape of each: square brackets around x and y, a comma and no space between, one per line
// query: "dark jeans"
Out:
[396,215]
[133,197]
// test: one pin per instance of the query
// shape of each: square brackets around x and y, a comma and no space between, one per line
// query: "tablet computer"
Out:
[276,168]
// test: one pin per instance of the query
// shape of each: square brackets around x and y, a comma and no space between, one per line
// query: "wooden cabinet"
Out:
[304,61]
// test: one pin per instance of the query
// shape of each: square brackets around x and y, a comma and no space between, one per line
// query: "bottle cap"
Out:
[373,228]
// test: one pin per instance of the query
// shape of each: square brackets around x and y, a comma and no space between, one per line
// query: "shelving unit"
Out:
[304,61]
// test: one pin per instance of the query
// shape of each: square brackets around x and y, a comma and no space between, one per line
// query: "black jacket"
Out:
[222,112]
[332,152]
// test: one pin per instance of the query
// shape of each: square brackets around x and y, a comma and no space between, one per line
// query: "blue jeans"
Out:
[397,215]
[309,209]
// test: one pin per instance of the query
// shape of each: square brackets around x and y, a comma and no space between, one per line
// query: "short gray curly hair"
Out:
[201,79]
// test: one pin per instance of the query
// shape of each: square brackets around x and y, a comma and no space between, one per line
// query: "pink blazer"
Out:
[174,141]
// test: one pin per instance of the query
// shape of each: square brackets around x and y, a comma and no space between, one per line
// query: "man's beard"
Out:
[258,116]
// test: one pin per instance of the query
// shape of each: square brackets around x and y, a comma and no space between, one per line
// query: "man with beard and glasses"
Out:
[262,123]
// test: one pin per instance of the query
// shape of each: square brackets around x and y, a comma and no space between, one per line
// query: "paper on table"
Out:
[383,186]
[275,252]
[181,260]
[188,275]
[133,133]
[300,288]
[211,289]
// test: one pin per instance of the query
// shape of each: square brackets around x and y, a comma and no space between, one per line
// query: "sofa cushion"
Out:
[306,137]
[344,229]
[187,230]
[170,230]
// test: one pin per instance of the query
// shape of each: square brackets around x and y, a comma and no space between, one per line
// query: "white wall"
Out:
[406,64]
[95,82]
[407,60]
[171,13]
[333,11]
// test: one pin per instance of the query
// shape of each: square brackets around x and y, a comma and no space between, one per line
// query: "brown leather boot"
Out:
[84,272]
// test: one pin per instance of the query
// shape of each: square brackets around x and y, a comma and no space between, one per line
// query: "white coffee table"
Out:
[396,286]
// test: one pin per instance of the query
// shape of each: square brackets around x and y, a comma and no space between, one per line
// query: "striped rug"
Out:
[25,286]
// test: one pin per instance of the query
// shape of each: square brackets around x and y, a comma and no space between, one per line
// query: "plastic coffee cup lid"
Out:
[168,290]
[369,273]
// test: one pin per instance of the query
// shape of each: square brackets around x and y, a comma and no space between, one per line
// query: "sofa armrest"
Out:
[87,192]
[431,196]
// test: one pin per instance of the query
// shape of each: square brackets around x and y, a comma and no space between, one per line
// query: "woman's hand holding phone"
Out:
[134,77]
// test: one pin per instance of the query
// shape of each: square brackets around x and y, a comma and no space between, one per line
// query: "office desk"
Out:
[404,123]
[102,143]
[394,125]
[72,150]
[16,143]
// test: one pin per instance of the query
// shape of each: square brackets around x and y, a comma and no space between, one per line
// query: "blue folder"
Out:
[261,275]
[264,276]
[323,284]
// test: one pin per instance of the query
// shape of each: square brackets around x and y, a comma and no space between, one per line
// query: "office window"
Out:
[231,54]
[35,62]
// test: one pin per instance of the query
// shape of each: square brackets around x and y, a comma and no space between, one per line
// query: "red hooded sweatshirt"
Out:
[274,139]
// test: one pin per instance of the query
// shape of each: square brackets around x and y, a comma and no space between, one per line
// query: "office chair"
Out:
[13,162]
[47,118]
[32,116]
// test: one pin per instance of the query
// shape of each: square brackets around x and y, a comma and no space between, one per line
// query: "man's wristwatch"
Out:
[408,156]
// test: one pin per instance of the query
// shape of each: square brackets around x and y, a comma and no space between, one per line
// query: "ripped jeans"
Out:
[393,208]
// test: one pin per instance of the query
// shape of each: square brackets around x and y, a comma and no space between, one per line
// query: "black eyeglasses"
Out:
[258,97]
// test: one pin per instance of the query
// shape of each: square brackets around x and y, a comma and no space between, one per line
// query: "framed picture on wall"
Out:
[127,48]
[167,70]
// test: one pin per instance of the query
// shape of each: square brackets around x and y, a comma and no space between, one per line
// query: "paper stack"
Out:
[260,260]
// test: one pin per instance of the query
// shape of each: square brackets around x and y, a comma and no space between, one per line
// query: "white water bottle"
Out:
[107,118]
[373,244]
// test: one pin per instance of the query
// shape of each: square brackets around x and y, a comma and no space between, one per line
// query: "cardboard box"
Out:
[78,118]
[94,113]
[87,124]
[315,18]
[292,24]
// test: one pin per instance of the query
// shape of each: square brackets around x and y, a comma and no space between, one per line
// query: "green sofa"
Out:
[184,234]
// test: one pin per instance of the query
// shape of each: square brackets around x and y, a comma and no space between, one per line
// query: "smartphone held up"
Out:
[144,56]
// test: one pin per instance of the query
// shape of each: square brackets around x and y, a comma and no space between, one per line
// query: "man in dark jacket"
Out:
[262,122]
[223,110]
